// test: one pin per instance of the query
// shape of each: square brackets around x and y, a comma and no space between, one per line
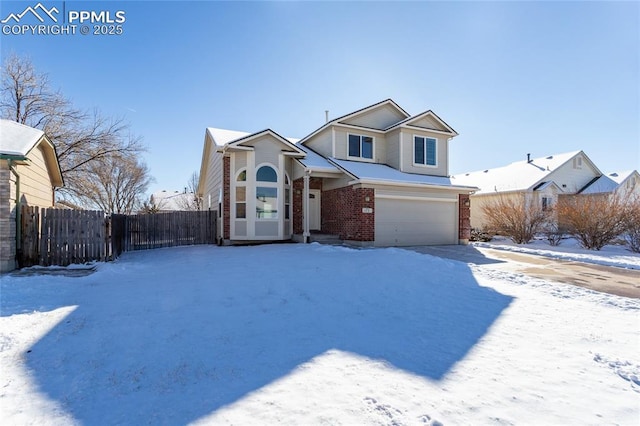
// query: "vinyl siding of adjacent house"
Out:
[379,118]
[572,179]
[36,188]
[440,169]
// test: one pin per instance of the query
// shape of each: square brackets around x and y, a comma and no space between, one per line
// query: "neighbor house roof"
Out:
[381,173]
[517,176]
[607,183]
[172,200]
[17,140]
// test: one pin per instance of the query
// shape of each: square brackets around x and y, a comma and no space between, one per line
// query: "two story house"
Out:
[375,177]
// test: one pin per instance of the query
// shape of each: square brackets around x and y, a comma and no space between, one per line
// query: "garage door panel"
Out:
[415,222]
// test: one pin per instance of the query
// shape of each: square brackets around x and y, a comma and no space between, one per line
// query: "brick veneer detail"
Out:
[226,206]
[464,215]
[342,213]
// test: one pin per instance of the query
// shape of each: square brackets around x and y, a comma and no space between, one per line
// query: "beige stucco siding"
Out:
[393,148]
[213,182]
[408,166]
[342,145]
[322,143]
[429,123]
[379,118]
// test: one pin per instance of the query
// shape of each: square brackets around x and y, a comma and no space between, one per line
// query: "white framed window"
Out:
[241,194]
[546,203]
[266,193]
[577,163]
[425,151]
[287,197]
[360,146]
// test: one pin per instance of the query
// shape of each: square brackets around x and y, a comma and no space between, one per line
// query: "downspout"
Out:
[305,205]
[18,209]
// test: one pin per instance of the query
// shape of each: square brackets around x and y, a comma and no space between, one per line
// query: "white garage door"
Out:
[402,222]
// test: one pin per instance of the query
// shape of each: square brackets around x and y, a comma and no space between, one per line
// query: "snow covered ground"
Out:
[569,249]
[311,334]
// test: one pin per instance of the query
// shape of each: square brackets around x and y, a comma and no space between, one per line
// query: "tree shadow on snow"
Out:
[169,336]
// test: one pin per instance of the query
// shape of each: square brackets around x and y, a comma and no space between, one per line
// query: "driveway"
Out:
[606,279]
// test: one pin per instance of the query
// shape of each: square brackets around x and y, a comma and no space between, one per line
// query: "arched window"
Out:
[266,174]
[267,193]
[241,194]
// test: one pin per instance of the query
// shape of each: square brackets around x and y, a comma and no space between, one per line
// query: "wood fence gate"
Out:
[63,237]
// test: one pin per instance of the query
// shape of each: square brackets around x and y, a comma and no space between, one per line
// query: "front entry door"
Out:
[314,209]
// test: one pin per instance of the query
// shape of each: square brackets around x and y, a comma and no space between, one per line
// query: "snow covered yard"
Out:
[310,334]
[569,249]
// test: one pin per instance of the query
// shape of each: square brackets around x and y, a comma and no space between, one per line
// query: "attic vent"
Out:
[486,171]
[550,157]
[613,174]
[466,174]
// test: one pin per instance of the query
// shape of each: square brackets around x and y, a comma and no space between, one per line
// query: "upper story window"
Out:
[577,163]
[266,174]
[424,150]
[361,146]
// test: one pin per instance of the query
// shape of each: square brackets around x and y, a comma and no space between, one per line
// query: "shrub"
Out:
[594,220]
[553,233]
[632,233]
[480,235]
[515,217]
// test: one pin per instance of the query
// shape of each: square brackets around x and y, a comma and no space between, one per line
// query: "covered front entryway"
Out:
[407,221]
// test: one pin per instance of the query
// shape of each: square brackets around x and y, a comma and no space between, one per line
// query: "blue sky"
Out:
[511,77]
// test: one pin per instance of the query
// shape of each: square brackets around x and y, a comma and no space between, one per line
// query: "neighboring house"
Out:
[539,180]
[29,174]
[376,177]
[623,184]
[168,201]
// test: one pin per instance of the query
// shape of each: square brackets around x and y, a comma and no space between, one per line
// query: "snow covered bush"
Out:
[515,217]
[594,220]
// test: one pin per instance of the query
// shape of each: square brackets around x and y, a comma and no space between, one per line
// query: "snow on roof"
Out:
[16,138]
[172,200]
[607,183]
[312,160]
[382,172]
[619,177]
[315,161]
[600,185]
[224,136]
[516,176]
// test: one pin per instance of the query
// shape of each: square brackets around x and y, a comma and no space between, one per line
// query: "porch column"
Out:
[305,208]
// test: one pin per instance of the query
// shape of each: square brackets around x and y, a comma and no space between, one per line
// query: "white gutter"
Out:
[471,189]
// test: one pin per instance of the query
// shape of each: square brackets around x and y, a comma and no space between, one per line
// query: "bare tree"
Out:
[515,217]
[115,184]
[594,220]
[80,138]
[191,200]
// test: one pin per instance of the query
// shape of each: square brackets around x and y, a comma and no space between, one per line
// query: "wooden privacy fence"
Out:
[150,231]
[64,237]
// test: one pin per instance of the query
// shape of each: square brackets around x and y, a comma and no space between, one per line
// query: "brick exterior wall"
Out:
[464,215]
[298,190]
[342,213]
[226,194]
[7,220]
